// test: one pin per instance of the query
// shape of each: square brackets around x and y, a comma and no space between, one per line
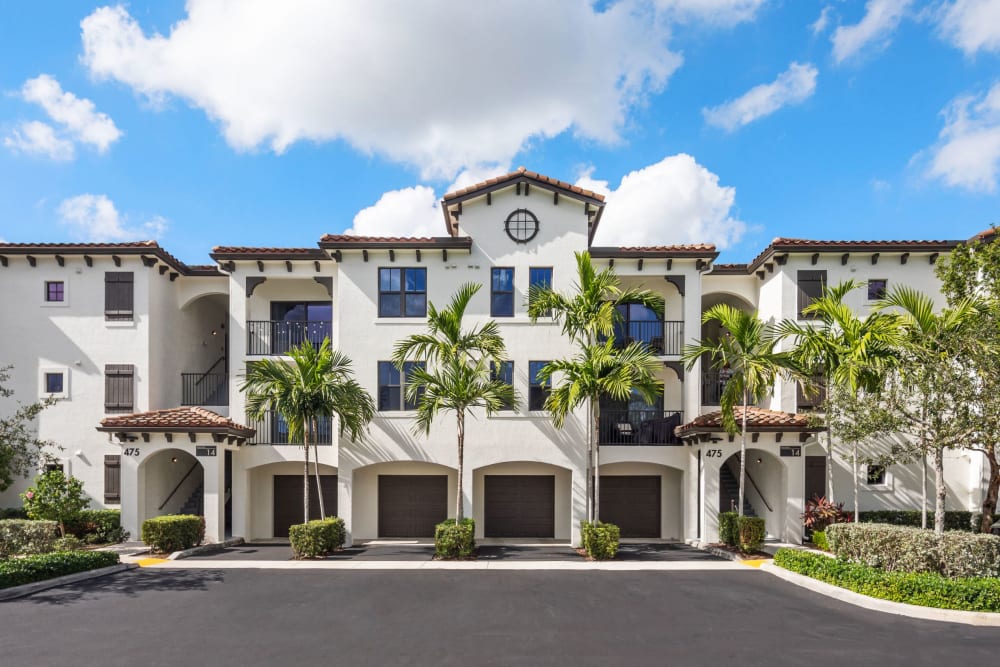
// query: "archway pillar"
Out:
[133,497]
[711,463]
[215,496]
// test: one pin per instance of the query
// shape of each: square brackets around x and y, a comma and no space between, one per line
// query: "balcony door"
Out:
[294,322]
[638,323]
[627,421]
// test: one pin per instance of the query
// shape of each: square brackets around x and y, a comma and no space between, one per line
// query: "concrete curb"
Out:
[205,549]
[980,618]
[27,589]
[577,566]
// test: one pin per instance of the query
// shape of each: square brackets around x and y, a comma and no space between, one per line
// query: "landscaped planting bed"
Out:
[29,569]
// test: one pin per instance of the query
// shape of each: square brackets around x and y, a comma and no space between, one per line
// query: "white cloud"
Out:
[874,31]
[78,116]
[967,154]
[719,12]
[440,86]
[95,218]
[819,26]
[675,200]
[37,138]
[412,211]
[972,25]
[793,86]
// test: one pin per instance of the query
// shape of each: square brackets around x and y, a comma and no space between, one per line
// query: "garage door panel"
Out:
[411,505]
[288,500]
[519,505]
[632,502]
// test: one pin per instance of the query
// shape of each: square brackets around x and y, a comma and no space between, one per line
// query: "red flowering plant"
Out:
[821,512]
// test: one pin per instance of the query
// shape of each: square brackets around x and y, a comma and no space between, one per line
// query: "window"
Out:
[502,293]
[504,373]
[119,388]
[295,322]
[540,277]
[55,383]
[521,225]
[392,387]
[811,285]
[877,288]
[55,291]
[402,292]
[637,323]
[112,478]
[815,397]
[537,390]
[875,475]
[118,296]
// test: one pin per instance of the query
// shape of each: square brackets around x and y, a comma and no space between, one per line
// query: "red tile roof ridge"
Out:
[182,417]
[521,171]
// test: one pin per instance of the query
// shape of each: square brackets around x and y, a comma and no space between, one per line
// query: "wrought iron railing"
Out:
[662,338]
[204,389]
[277,337]
[713,383]
[639,427]
[273,430]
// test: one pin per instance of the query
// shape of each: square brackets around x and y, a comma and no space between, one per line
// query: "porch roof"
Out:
[759,420]
[175,420]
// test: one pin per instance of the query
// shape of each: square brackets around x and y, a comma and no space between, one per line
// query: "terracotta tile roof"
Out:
[985,235]
[783,244]
[125,248]
[729,269]
[758,419]
[184,419]
[248,252]
[350,241]
[679,250]
[522,173]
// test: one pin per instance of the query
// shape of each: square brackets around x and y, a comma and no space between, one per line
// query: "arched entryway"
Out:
[173,482]
[765,488]
[276,496]
[643,499]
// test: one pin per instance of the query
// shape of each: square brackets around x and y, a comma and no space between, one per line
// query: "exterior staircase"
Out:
[729,492]
[195,504]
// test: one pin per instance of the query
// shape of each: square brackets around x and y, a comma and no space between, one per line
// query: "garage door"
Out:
[632,503]
[288,500]
[411,505]
[519,505]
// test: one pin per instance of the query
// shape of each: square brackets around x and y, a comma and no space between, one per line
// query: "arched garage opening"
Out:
[403,499]
[276,496]
[522,500]
[644,500]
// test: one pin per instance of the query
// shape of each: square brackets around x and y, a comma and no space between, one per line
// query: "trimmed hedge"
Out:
[317,538]
[13,513]
[600,540]
[18,571]
[819,539]
[953,520]
[23,536]
[455,540]
[729,532]
[752,532]
[98,527]
[924,589]
[901,549]
[173,532]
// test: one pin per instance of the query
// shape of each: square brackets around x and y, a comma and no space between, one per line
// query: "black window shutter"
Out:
[112,478]
[118,295]
[119,383]
[810,284]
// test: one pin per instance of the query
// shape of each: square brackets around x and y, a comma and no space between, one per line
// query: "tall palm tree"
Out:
[588,314]
[318,384]
[600,370]
[746,349]
[456,374]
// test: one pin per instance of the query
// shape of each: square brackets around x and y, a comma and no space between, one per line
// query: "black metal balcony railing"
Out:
[277,337]
[273,430]
[204,389]
[640,427]
[713,383]
[663,338]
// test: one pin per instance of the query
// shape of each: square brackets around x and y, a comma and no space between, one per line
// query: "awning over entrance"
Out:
[189,420]
[759,420]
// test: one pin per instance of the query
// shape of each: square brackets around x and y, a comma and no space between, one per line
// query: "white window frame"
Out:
[64,371]
[885,486]
[55,304]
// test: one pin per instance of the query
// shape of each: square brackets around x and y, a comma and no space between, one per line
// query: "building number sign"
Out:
[131,451]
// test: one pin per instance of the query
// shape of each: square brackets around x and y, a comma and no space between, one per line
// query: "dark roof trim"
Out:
[680,251]
[729,270]
[105,249]
[241,431]
[235,253]
[344,242]
[780,245]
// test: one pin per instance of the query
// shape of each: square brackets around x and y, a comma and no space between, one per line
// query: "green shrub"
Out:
[55,497]
[21,536]
[924,589]
[173,532]
[18,571]
[600,540]
[819,539]
[752,532]
[902,549]
[12,513]
[953,520]
[68,543]
[317,538]
[98,527]
[455,540]
[728,530]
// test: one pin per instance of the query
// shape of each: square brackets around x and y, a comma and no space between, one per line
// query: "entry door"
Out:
[632,503]
[815,476]
[519,505]
[411,505]
[288,500]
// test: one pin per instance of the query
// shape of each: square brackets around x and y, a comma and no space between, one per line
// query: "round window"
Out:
[521,225]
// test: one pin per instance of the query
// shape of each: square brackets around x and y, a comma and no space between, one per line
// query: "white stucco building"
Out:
[145,355]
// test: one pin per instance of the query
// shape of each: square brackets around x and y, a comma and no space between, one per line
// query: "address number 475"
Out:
[713,453]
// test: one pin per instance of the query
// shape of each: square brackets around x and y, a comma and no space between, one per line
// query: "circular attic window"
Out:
[521,225]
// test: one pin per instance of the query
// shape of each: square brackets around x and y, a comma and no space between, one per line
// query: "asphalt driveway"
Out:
[254,617]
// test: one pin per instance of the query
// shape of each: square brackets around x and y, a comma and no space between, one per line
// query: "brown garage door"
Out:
[632,503]
[411,505]
[519,505]
[288,500]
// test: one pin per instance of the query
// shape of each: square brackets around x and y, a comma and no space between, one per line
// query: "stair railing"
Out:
[757,489]
[186,475]
[210,369]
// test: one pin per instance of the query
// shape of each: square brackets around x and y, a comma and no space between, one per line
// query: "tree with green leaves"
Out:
[22,452]
[747,349]
[319,383]
[587,315]
[450,371]
[55,497]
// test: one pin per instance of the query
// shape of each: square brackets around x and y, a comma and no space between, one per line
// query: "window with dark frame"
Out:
[815,397]
[112,478]
[502,292]
[55,291]
[392,386]
[402,292]
[119,388]
[119,294]
[504,372]
[55,383]
[540,277]
[811,285]
[877,288]
[521,225]
[538,391]
[875,474]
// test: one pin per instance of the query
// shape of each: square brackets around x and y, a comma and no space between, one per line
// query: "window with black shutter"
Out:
[118,296]
[811,284]
[119,388]
[814,398]
[112,478]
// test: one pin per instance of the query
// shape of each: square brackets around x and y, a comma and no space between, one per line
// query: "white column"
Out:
[345,482]
[578,496]
[795,477]
[710,495]
[215,495]
[237,344]
[133,497]
[692,332]
[241,493]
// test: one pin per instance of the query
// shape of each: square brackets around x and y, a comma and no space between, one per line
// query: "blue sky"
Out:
[731,121]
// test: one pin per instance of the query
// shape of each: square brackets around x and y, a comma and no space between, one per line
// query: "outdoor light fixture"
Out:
[759,460]
[173,459]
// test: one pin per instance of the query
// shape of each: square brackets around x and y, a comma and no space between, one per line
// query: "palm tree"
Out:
[747,351]
[600,370]
[588,314]
[318,384]
[452,371]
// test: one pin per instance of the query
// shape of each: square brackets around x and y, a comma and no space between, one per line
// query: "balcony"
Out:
[662,338]
[204,389]
[713,383]
[639,427]
[273,430]
[275,337]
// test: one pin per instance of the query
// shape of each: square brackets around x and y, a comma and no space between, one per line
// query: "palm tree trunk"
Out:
[829,444]
[461,466]
[854,467]
[319,487]
[595,409]
[590,465]
[743,450]
[923,489]
[940,489]
[305,477]
[992,491]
